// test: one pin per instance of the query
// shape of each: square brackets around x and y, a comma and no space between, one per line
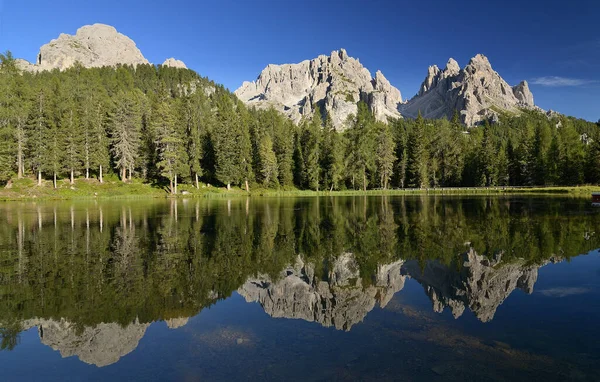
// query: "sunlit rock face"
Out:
[476,92]
[101,345]
[335,83]
[92,46]
[342,301]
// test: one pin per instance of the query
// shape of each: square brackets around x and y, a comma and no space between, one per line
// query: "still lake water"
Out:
[344,288]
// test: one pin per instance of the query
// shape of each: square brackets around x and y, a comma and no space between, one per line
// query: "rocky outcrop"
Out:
[477,92]
[481,284]
[93,46]
[101,345]
[342,301]
[173,63]
[334,83]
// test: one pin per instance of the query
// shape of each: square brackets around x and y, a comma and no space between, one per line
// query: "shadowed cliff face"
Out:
[342,301]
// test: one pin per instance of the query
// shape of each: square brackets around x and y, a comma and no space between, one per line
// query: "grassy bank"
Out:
[113,188]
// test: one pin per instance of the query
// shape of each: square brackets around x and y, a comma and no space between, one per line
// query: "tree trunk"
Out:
[364,182]
[87,173]
[54,180]
[39,177]
[130,174]
[19,161]
[72,177]
[197,184]
[228,186]
[171,186]
[247,186]
[101,181]
[175,184]
[20,148]
[123,174]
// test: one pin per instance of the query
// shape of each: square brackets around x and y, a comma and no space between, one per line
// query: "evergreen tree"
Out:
[332,158]
[126,125]
[309,143]
[385,154]
[361,137]
[170,143]
[416,166]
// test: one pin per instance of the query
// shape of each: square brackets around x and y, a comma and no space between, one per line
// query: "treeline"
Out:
[168,125]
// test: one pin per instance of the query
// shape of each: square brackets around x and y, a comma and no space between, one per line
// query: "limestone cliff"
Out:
[477,92]
[335,83]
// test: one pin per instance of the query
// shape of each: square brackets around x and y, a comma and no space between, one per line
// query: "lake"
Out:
[371,288]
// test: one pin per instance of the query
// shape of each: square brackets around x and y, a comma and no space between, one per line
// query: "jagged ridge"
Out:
[335,83]
[477,92]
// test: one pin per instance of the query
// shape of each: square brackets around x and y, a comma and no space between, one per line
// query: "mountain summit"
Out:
[93,46]
[335,83]
[477,92]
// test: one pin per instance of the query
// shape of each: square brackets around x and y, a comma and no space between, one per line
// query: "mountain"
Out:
[477,92]
[93,46]
[335,83]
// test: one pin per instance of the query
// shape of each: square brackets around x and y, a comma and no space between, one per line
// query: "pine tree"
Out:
[126,125]
[416,166]
[310,146]
[196,116]
[332,158]
[268,162]
[225,136]
[361,147]
[385,154]
[170,143]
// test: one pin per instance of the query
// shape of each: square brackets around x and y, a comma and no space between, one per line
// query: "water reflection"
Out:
[92,277]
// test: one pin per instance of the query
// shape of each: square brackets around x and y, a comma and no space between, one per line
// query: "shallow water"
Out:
[370,288]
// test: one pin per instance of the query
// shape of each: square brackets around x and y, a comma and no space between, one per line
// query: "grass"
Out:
[27,188]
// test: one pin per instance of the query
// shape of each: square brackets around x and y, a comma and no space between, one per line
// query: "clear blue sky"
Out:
[555,45]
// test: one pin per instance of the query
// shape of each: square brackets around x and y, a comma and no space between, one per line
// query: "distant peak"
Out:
[173,63]
[452,67]
[341,54]
[479,59]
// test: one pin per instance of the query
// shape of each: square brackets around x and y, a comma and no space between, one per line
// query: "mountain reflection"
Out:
[92,276]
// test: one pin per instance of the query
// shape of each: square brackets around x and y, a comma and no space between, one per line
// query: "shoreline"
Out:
[26,189]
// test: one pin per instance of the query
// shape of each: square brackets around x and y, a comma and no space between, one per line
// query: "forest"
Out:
[166,126]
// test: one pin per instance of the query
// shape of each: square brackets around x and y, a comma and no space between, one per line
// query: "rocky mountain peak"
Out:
[334,83]
[523,93]
[476,91]
[173,63]
[94,45]
[452,68]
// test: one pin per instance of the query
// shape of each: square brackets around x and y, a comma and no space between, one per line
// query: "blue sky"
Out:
[555,45]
